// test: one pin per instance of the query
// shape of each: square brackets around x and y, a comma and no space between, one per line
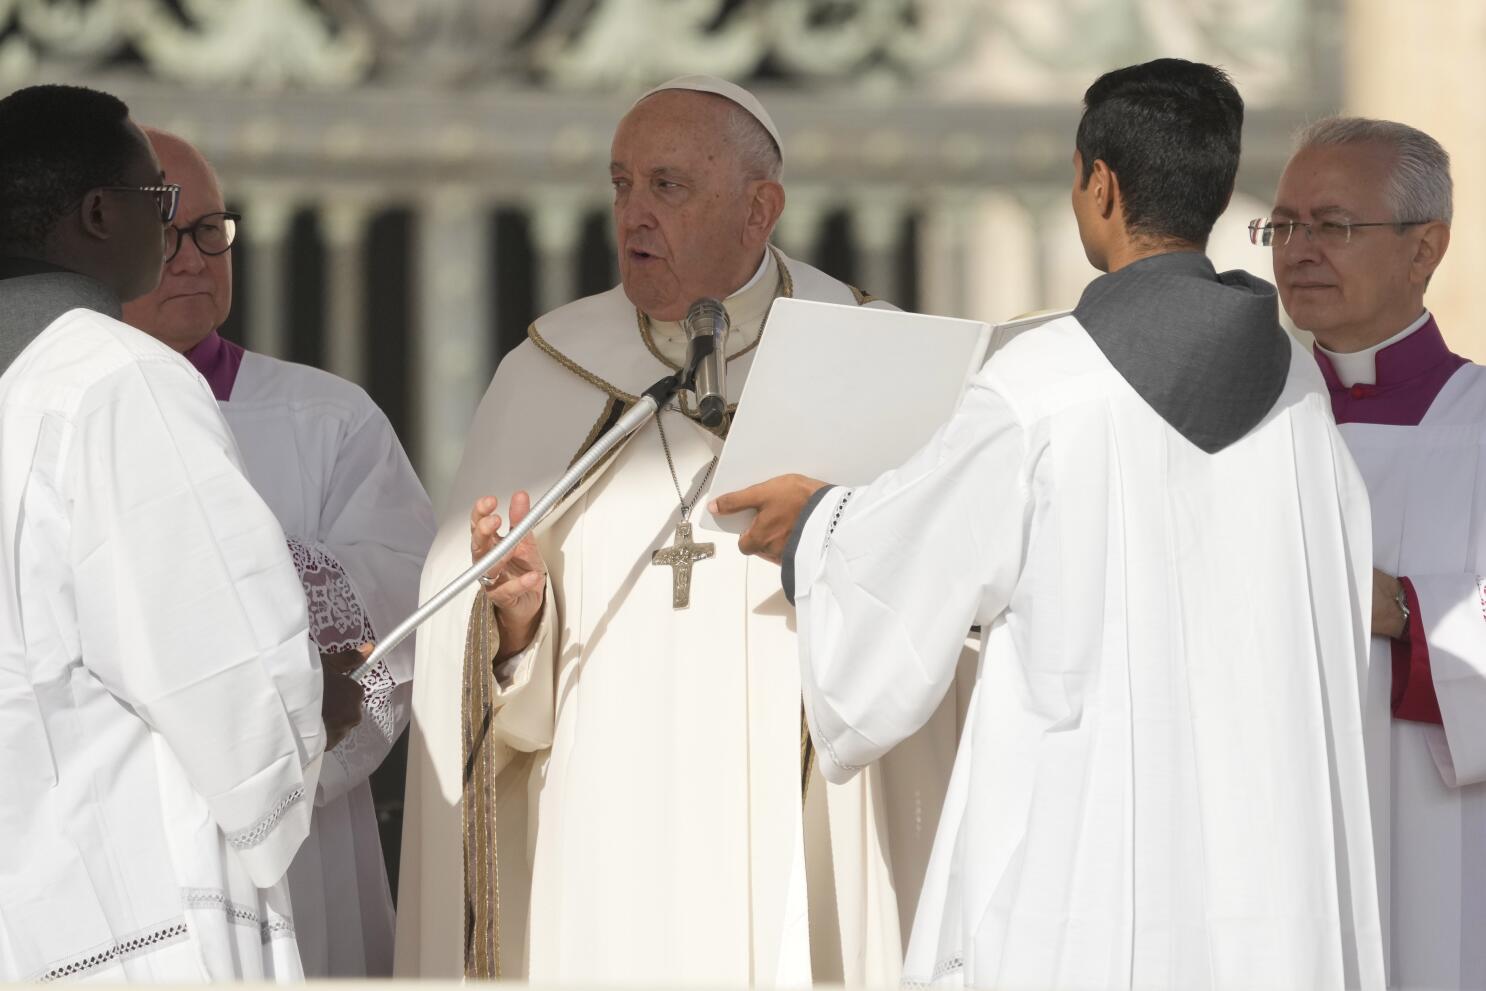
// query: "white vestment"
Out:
[660,748]
[1428,489]
[159,696]
[1161,782]
[325,459]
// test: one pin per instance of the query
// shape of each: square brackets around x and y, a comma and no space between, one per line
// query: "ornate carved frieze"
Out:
[992,49]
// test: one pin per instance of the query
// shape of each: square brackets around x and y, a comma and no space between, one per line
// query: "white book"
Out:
[843,393]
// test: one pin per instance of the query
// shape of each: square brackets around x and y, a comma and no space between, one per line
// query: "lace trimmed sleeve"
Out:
[337,619]
[338,622]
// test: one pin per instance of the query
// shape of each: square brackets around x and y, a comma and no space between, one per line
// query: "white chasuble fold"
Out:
[1153,790]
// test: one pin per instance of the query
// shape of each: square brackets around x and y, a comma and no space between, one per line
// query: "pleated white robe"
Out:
[1161,783]
[1428,489]
[650,813]
[327,462]
[160,731]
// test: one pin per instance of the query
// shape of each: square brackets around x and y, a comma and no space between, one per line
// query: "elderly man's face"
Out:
[195,291]
[681,205]
[1350,294]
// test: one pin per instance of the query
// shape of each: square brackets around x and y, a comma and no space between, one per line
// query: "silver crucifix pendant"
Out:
[679,557]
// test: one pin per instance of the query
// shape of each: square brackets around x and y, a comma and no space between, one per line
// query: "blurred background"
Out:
[421,178]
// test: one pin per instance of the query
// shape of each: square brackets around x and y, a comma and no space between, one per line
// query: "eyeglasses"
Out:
[212,232]
[167,196]
[1332,233]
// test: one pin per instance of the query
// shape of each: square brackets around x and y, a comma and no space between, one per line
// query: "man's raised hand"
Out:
[517,586]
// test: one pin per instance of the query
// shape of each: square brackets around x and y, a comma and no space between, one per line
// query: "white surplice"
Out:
[159,695]
[1428,489]
[650,796]
[327,462]
[1161,783]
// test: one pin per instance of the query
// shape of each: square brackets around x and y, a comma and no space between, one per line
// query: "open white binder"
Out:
[843,393]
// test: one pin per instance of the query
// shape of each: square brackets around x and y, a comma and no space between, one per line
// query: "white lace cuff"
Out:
[337,620]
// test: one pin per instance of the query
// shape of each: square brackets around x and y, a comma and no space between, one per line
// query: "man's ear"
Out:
[92,215]
[1106,189]
[1429,252]
[765,204]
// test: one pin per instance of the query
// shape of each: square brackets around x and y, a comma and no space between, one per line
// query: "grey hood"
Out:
[34,294]
[1205,351]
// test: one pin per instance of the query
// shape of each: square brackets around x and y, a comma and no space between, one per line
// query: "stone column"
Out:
[799,225]
[876,221]
[1062,270]
[557,218]
[343,222]
[943,253]
[1421,64]
[267,214]
[1007,265]
[452,352]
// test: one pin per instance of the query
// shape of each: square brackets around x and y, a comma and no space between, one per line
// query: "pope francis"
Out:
[608,779]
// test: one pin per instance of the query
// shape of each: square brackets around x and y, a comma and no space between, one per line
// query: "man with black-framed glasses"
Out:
[160,730]
[358,524]
[1360,223]
[167,197]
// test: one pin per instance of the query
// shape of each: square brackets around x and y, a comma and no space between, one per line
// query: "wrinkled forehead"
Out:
[674,126]
[184,164]
[1344,178]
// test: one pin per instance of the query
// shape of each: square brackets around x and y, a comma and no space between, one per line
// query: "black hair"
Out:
[1170,130]
[56,143]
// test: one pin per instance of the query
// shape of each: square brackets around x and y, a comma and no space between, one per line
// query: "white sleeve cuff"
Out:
[810,554]
[1454,621]
[524,713]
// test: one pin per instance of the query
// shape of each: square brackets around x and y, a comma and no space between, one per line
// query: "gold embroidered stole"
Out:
[478,805]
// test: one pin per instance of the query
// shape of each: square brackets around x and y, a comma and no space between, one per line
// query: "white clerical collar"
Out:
[763,266]
[1361,367]
[746,306]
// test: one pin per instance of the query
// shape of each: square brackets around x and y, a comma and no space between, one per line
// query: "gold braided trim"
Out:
[607,415]
[577,369]
[785,288]
[478,797]
[613,409]
[643,320]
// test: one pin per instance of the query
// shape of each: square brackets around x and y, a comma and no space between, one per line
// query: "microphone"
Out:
[707,327]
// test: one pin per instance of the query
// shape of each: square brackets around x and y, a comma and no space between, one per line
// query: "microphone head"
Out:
[706,358]
[711,410]
[706,316]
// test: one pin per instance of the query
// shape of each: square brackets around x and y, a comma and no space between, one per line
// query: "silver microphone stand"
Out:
[644,410]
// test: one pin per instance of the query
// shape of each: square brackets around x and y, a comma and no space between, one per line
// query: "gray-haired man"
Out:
[1360,223]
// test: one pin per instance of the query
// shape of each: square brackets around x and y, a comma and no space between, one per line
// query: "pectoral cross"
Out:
[679,557]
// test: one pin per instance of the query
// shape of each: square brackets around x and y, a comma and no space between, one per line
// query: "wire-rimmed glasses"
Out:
[1277,233]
